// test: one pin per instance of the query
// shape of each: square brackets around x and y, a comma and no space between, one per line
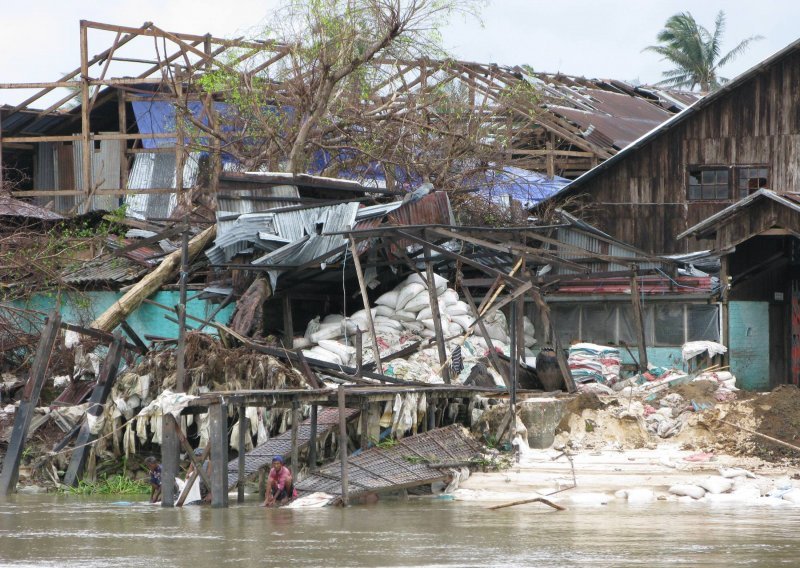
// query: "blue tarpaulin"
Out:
[525,186]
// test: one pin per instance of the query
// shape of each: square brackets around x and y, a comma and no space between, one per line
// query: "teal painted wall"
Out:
[669,357]
[83,308]
[748,325]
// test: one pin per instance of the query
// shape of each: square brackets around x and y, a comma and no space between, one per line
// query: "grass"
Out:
[110,485]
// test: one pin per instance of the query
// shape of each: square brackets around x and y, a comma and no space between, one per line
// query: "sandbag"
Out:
[428,323]
[449,297]
[407,293]
[686,490]
[384,311]
[454,329]
[301,343]
[440,283]
[327,331]
[344,352]
[716,484]
[361,315]
[458,309]
[527,326]
[322,355]
[333,318]
[389,299]
[312,327]
[418,302]
[394,324]
[427,333]
[463,320]
[413,326]
[427,312]
[404,316]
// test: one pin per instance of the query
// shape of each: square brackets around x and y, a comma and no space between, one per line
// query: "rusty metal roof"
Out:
[10,207]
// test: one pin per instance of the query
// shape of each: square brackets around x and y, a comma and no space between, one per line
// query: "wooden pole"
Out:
[170,449]
[444,368]
[195,474]
[219,455]
[431,413]
[312,448]
[87,145]
[105,382]
[243,430]
[533,500]
[288,327]
[364,419]
[514,371]
[365,299]
[638,316]
[123,307]
[30,398]
[295,431]
[180,139]
[123,146]
[563,364]
[180,352]
[343,444]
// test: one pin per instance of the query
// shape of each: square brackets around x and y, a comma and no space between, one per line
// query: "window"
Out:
[708,184]
[750,180]
[722,183]
[666,324]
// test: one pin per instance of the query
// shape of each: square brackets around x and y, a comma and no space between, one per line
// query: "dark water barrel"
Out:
[548,371]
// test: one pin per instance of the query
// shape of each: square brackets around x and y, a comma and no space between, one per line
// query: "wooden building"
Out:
[726,146]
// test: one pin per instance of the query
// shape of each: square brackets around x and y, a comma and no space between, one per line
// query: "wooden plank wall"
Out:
[642,198]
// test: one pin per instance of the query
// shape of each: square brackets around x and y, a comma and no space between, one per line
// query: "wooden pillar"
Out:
[30,397]
[180,138]
[170,448]
[724,273]
[288,326]
[244,428]
[551,159]
[122,115]
[97,401]
[219,454]
[437,318]
[431,413]
[295,431]
[312,448]
[180,352]
[363,287]
[262,483]
[343,444]
[364,419]
[638,317]
[86,142]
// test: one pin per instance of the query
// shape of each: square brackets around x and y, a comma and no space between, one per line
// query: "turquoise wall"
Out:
[748,325]
[669,357]
[84,307]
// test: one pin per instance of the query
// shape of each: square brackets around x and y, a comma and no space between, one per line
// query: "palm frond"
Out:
[739,49]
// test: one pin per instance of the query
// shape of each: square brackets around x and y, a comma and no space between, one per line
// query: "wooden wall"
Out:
[642,198]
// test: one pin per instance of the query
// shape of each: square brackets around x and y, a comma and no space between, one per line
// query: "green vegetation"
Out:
[109,485]
[695,52]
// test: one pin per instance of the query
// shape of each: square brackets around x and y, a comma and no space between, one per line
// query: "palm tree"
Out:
[695,52]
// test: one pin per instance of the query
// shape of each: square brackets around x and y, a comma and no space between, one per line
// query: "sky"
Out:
[589,38]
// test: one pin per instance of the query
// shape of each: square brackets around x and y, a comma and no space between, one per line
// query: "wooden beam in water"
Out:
[219,455]
[343,444]
[243,430]
[170,450]
[30,397]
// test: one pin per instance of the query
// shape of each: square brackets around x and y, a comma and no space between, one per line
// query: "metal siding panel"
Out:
[748,327]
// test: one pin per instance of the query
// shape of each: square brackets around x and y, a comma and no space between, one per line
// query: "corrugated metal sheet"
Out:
[157,171]
[433,209]
[44,170]
[105,269]
[10,207]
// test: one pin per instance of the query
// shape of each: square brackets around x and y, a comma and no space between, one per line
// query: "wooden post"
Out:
[170,449]
[363,286]
[724,272]
[295,430]
[87,144]
[312,448]
[638,316]
[180,352]
[30,397]
[343,444]
[359,351]
[364,419]
[180,139]
[431,413]
[437,318]
[288,327]
[262,483]
[563,364]
[123,145]
[219,455]
[243,430]
[198,472]
[513,355]
[108,373]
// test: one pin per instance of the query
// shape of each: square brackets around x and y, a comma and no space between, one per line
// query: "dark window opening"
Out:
[709,184]
[750,180]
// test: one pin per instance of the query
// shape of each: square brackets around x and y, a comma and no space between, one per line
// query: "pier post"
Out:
[243,430]
[30,397]
[312,447]
[343,444]
[364,424]
[431,413]
[170,444]
[295,430]
[219,454]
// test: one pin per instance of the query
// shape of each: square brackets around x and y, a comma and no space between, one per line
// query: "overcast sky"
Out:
[591,38]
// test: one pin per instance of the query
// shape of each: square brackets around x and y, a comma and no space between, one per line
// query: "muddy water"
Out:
[70,531]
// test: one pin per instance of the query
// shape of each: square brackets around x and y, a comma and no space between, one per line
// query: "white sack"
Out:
[389,299]
[407,293]
[686,490]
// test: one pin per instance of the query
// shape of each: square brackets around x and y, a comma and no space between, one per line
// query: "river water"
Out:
[46,530]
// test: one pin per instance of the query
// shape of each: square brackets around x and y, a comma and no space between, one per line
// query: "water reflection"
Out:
[71,531]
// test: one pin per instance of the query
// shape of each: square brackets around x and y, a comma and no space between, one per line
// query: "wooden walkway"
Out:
[408,463]
[281,445]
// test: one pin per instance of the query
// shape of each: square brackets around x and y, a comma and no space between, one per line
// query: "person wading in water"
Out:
[280,486]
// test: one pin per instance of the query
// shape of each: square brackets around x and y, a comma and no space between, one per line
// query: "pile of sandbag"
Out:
[404,315]
[590,362]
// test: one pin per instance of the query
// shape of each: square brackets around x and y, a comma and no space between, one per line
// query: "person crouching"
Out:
[280,485]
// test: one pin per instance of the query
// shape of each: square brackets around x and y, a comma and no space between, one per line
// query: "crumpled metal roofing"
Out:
[10,207]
